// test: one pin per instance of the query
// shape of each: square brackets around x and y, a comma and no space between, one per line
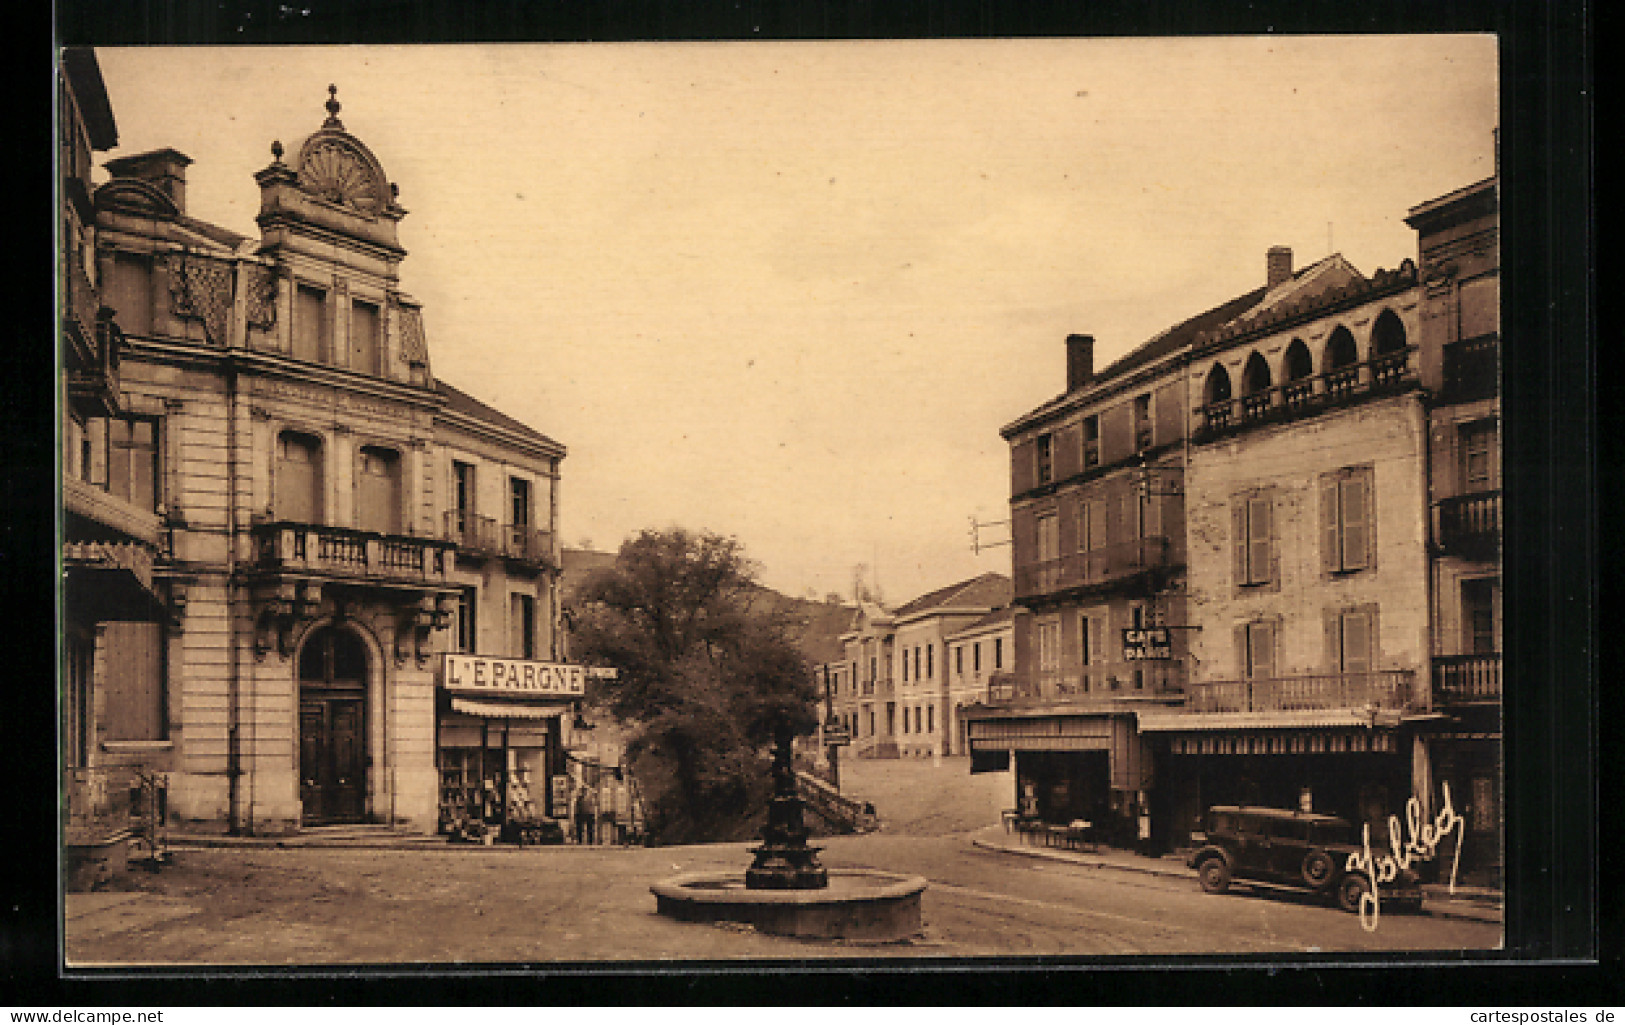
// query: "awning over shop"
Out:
[1130,764]
[1189,722]
[1286,742]
[505,709]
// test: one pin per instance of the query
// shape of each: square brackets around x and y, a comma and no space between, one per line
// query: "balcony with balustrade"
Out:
[1096,570]
[1305,396]
[90,347]
[303,550]
[1467,679]
[529,547]
[474,535]
[1469,526]
[1393,690]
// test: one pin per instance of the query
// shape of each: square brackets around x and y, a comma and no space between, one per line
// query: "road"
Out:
[316,906]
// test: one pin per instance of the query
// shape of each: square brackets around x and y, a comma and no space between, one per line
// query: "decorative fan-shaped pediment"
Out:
[338,169]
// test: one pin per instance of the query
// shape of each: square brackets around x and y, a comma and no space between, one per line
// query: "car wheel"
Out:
[1351,890]
[1214,875]
[1317,869]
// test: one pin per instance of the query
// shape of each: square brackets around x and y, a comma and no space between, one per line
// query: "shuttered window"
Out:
[1049,645]
[310,324]
[1046,459]
[1351,639]
[134,692]
[523,644]
[1091,442]
[1255,649]
[366,347]
[298,478]
[1347,523]
[1480,470]
[378,486]
[1253,536]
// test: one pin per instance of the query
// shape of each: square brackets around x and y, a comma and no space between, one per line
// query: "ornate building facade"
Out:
[328,522]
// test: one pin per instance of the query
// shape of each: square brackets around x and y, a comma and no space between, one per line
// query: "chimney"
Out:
[163,168]
[1080,361]
[1278,265]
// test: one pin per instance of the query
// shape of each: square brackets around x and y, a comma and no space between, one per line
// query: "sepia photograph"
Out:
[895,501]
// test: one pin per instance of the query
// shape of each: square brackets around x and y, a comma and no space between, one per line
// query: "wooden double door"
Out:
[332,729]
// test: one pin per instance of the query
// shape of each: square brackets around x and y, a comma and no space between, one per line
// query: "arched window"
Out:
[298,483]
[1387,349]
[1300,368]
[1255,387]
[1388,334]
[1342,362]
[1217,394]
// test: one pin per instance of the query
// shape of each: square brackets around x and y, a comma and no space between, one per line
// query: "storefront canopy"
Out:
[505,709]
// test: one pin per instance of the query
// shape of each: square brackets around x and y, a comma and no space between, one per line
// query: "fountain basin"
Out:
[856,905]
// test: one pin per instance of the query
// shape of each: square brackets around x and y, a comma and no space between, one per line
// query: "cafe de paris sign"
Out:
[514,677]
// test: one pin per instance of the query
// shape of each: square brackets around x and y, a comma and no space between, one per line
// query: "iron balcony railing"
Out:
[338,551]
[1458,678]
[1387,689]
[1342,384]
[527,545]
[1096,683]
[473,534]
[1093,568]
[1469,525]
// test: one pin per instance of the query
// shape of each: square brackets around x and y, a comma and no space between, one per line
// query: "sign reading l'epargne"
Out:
[484,674]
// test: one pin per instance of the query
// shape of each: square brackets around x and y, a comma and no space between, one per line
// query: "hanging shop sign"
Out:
[483,674]
[1147,644]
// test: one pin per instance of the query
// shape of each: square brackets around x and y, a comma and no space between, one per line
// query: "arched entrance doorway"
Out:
[332,727]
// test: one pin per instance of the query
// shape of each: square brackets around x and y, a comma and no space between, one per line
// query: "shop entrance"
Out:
[332,727]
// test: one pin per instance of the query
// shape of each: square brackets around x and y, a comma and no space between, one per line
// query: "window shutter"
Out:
[1097,524]
[1097,640]
[1238,537]
[1260,528]
[1330,543]
[1131,515]
[1332,621]
[1153,515]
[1263,650]
[1352,505]
[1356,642]
[1243,666]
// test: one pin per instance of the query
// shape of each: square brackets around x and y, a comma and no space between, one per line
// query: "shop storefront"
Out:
[500,747]
[1360,773]
[1094,768]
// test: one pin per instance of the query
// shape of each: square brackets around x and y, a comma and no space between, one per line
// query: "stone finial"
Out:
[276,150]
[332,108]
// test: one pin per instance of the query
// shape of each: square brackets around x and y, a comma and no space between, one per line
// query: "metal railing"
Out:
[1340,384]
[473,534]
[339,551]
[1100,566]
[527,545]
[1467,677]
[1388,689]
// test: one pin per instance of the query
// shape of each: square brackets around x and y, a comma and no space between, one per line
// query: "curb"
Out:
[1438,904]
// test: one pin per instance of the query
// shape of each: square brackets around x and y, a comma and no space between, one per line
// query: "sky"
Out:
[790,291]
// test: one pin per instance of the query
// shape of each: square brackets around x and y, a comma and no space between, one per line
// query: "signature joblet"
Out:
[1423,845]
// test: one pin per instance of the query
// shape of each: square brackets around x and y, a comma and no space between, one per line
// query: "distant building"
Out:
[897,689]
[303,522]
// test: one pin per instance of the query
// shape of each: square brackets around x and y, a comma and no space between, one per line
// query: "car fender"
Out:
[1210,851]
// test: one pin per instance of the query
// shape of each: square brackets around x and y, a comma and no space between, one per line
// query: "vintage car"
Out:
[1291,848]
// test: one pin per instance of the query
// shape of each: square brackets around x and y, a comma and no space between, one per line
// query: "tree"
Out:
[707,675]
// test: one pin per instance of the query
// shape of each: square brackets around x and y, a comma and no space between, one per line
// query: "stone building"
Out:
[1227,586]
[1460,343]
[356,561]
[897,690]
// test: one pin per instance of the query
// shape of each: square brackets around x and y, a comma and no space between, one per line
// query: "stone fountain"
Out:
[787,892]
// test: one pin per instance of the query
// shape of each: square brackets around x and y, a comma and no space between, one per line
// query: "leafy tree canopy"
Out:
[707,674]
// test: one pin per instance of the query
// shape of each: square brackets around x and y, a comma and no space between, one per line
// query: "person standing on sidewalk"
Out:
[586,816]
